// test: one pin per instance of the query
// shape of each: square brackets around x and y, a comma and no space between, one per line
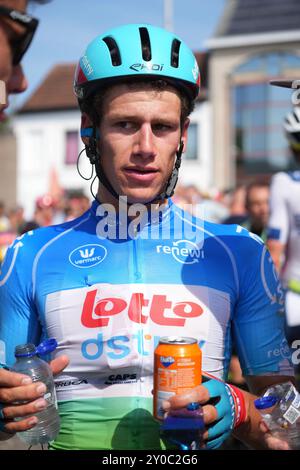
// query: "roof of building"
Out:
[258,16]
[55,93]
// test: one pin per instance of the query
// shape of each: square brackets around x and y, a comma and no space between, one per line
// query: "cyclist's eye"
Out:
[125,124]
[160,127]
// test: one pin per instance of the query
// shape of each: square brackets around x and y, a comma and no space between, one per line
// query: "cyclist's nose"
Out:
[17,82]
[144,144]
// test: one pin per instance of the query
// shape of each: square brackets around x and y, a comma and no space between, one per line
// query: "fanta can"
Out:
[177,369]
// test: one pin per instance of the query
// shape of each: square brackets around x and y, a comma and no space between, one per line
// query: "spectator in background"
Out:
[17,29]
[76,204]
[258,208]
[7,236]
[16,219]
[237,206]
[200,203]
[4,222]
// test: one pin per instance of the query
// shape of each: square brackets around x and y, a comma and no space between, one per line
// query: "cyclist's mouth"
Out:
[142,174]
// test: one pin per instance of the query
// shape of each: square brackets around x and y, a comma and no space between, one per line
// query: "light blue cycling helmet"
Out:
[136,51]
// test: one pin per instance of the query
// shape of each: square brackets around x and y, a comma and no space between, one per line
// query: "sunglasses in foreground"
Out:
[29,23]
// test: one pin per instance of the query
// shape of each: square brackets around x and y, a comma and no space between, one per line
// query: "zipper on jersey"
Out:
[136,268]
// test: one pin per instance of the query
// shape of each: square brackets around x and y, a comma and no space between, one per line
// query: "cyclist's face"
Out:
[139,135]
[12,76]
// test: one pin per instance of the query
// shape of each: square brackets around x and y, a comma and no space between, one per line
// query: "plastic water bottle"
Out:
[27,362]
[280,409]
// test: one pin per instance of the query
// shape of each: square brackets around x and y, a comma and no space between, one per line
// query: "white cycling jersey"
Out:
[284,224]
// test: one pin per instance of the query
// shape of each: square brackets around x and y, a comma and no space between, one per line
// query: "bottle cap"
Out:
[265,402]
[193,406]
[46,346]
[25,350]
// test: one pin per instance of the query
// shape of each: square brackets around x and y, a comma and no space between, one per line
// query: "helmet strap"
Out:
[172,181]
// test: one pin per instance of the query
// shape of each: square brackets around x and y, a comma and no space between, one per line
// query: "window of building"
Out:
[192,145]
[258,113]
[71,147]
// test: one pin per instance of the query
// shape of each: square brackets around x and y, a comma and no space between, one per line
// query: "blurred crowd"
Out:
[244,205]
[48,211]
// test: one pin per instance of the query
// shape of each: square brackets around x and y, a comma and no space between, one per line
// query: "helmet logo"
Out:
[88,69]
[150,66]
[195,71]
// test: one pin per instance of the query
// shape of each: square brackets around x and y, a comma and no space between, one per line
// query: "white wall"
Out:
[199,172]
[40,148]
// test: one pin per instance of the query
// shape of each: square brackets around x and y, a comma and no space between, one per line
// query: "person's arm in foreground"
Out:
[235,412]
[279,225]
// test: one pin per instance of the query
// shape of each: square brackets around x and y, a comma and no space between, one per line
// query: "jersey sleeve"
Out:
[258,322]
[19,322]
[278,227]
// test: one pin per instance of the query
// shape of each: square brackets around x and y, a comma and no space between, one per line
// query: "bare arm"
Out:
[252,432]
[277,251]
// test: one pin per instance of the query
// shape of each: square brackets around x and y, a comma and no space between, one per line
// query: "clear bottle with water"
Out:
[28,362]
[280,409]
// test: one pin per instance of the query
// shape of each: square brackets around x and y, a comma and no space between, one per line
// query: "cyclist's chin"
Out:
[142,195]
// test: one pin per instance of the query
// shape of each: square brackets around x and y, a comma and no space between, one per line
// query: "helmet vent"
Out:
[175,53]
[113,50]
[145,43]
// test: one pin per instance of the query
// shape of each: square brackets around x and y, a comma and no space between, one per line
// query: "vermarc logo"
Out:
[87,256]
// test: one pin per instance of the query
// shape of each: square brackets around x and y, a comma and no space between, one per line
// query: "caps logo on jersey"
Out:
[86,256]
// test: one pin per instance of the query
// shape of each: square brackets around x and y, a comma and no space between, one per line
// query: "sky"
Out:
[67,26]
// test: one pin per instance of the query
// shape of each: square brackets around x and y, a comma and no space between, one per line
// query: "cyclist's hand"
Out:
[16,387]
[271,442]
[219,410]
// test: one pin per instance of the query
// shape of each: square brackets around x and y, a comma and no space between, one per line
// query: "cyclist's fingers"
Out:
[10,412]
[210,414]
[19,426]
[198,394]
[23,393]
[59,363]
[272,442]
[13,379]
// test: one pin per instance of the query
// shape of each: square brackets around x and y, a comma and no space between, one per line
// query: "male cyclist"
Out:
[135,268]
[17,29]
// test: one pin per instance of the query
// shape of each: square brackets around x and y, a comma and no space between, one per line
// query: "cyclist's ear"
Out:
[86,129]
[184,134]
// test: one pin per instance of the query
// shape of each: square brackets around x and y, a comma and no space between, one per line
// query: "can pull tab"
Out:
[46,347]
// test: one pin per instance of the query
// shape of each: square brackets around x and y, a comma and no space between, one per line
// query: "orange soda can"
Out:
[177,369]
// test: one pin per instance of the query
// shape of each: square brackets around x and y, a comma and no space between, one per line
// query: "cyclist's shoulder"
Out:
[234,239]
[239,241]
[29,244]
